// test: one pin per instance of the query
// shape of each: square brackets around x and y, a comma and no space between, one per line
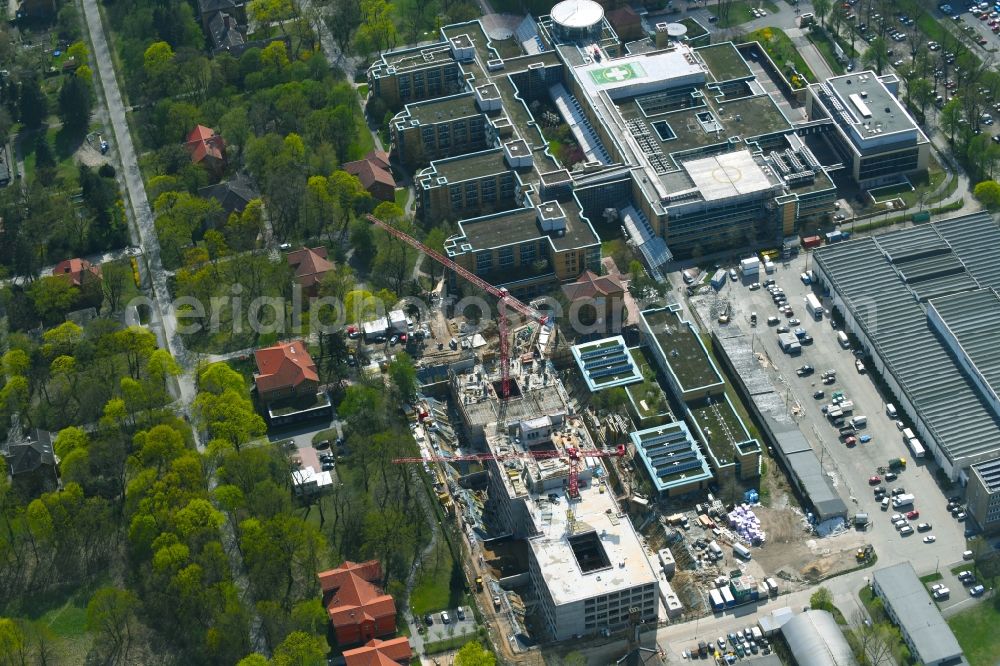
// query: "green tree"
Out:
[116,276]
[75,103]
[951,118]
[821,8]
[404,375]
[14,649]
[53,298]
[377,31]
[301,649]
[160,68]
[876,55]
[33,106]
[474,654]
[821,599]
[988,194]
[111,620]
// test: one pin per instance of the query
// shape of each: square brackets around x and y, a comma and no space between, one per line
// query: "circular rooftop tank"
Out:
[576,18]
[676,30]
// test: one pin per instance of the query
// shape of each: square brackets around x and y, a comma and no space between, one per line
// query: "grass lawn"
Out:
[931,577]
[739,12]
[888,192]
[780,48]
[825,47]
[976,631]
[962,567]
[401,195]
[440,584]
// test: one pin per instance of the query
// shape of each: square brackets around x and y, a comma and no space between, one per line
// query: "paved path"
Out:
[142,214]
[163,313]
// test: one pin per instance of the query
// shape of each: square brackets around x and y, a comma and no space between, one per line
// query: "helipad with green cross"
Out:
[617,73]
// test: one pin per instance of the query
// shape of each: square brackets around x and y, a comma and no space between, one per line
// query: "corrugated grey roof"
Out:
[989,472]
[897,325]
[975,239]
[974,319]
[918,617]
[816,640]
[795,449]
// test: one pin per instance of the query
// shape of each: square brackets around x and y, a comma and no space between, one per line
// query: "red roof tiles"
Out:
[202,142]
[286,364]
[592,285]
[310,265]
[76,270]
[380,653]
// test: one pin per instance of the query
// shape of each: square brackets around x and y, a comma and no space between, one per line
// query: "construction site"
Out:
[582,522]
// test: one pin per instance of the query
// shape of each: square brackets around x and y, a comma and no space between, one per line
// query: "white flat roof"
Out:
[310,475]
[629,566]
[727,175]
[643,73]
[577,13]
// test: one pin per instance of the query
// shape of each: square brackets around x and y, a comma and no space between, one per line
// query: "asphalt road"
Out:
[141,212]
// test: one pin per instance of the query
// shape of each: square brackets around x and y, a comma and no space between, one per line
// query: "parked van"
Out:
[741,550]
[859,421]
[890,411]
[908,435]
[842,339]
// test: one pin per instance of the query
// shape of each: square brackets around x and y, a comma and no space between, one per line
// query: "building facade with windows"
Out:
[874,135]
[983,495]
[681,147]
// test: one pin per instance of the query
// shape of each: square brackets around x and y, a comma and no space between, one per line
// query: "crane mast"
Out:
[503,296]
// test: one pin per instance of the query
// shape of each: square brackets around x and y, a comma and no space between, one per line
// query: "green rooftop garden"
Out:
[683,350]
[648,397]
[720,425]
[725,62]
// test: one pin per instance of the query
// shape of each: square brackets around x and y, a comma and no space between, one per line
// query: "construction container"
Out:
[744,589]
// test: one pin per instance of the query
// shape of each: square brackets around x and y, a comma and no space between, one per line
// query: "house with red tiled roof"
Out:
[77,271]
[206,147]
[358,609]
[374,174]
[285,370]
[309,265]
[392,652]
[606,293]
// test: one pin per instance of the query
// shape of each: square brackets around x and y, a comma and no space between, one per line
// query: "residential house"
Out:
[233,195]
[207,148]
[79,272]
[358,609]
[374,174]
[208,9]
[226,33]
[32,463]
[309,265]
[37,9]
[285,370]
[392,652]
[605,293]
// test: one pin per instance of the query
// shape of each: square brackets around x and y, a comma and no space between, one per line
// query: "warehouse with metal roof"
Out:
[814,639]
[907,602]
[895,293]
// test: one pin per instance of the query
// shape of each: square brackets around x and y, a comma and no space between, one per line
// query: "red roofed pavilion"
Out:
[358,609]
[392,652]
[285,370]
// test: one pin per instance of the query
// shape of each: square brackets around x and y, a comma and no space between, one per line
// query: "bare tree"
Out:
[876,641]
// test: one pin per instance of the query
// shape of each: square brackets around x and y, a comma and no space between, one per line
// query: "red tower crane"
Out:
[574,455]
[502,295]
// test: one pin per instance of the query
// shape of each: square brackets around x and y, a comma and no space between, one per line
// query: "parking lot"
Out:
[438,630]
[851,467]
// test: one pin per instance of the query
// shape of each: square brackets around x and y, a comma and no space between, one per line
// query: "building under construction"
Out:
[586,563]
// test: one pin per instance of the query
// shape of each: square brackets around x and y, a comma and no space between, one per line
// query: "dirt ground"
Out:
[87,154]
[793,554]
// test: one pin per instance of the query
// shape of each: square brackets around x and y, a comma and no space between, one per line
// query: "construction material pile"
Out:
[746,525]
